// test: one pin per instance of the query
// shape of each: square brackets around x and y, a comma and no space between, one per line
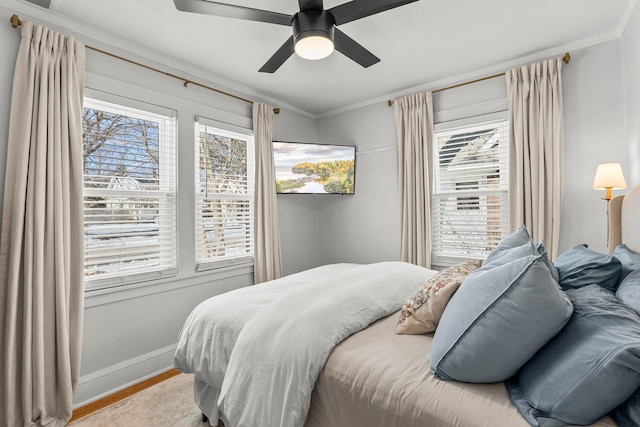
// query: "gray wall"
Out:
[298,213]
[130,333]
[594,133]
[9,42]
[365,228]
[631,79]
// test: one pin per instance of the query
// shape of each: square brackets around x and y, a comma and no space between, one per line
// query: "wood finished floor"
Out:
[166,400]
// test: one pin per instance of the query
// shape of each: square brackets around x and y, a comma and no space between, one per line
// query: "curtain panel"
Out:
[414,141]
[41,246]
[536,150]
[267,253]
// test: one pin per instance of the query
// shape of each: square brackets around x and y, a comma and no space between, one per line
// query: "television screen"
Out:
[303,168]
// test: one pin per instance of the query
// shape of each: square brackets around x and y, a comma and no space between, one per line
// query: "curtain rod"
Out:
[566,58]
[16,22]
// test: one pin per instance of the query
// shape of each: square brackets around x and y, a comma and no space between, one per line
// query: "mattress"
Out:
[378,378]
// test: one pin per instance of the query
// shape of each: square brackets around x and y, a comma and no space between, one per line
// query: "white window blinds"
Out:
[224,199]
[129,194]
[470,192]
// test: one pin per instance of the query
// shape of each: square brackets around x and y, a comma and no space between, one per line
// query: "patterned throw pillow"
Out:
[423,309]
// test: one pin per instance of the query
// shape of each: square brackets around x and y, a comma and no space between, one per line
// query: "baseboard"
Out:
[106,401]
[109,380]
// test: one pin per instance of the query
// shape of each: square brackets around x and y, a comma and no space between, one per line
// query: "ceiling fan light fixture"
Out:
[313,33]
[314,47]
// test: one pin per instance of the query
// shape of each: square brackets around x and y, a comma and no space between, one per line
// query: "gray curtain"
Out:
[267,263]
[41,246]
[536,150]
[414,140]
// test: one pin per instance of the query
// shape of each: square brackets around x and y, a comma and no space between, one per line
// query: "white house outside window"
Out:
[470,192]
[224,194]
[129,194]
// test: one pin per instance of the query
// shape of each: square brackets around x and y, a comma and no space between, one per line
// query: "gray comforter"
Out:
[263,347]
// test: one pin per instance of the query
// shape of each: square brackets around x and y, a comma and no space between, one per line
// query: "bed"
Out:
[358,372]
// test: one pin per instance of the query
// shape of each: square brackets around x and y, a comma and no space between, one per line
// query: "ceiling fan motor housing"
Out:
[312,22]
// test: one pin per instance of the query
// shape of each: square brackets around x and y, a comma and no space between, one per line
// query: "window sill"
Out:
[110,295]
[440,262]
[224,264]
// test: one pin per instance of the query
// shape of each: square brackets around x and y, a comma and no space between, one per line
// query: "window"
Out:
[470,191]
[129,194]
[224,199]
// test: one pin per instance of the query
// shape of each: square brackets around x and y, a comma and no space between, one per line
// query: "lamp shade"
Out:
[609,175]
[314,47]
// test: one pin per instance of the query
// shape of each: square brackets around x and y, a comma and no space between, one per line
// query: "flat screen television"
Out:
[304,168]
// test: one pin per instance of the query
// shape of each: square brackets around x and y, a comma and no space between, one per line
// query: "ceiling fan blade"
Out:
[279,58]
[310,4]
[357,9]
[231,11]
[350,48]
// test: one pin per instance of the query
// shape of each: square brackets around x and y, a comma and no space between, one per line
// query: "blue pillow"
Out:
[497,320]
[517,245]
[529,248]
[629,291]
[515,239]
[629,259]
[628,414]
[505,256]
[591,367]
[552,268]
[580,266]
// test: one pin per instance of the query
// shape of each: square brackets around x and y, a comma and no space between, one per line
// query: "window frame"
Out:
[502,117]
[238,133]
[167,120]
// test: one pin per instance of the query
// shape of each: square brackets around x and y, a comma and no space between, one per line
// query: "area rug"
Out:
[169,403]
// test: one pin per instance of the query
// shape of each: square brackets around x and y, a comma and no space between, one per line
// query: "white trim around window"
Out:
[224,164]
[470,188]
[130,181]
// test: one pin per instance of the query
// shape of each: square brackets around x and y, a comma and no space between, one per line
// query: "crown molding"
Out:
[560,50]
[626,17]
[54,5]
[130,49]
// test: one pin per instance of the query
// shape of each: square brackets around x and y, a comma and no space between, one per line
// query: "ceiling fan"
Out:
[314,29]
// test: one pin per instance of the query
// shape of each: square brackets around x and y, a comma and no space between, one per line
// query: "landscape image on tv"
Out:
[314,168]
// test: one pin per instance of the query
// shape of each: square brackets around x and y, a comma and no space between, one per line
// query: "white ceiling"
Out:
[429,41]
